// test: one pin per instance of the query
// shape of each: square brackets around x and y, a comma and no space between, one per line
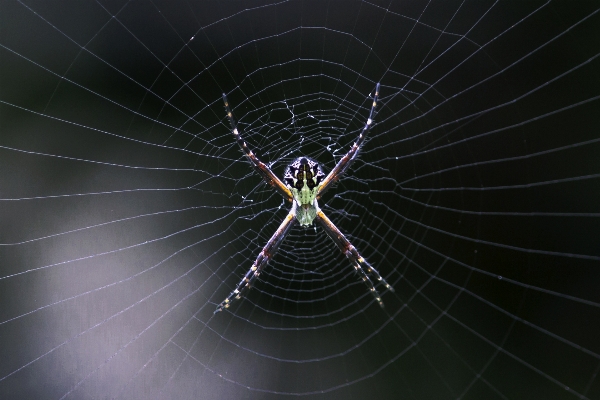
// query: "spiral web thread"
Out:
[127,211]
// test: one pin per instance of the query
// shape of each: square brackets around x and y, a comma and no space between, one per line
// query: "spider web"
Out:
[128,212]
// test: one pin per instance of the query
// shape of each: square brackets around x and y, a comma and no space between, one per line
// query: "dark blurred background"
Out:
[127,213]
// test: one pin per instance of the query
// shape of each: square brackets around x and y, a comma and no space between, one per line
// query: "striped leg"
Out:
[343,165]
[360,264]
[263,170]
[263,258]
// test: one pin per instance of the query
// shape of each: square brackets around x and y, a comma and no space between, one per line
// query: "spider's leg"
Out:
[263,258]
[343,165]
[260,167]
[360,264]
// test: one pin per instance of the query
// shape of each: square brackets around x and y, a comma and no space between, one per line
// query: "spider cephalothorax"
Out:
[305,182]
[303,177]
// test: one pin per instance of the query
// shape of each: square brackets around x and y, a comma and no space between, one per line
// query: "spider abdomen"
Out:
[303,177]
[306,215]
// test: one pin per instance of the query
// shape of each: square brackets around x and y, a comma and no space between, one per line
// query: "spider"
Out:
[303,184]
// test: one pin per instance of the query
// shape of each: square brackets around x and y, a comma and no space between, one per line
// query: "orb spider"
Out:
[304,184]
